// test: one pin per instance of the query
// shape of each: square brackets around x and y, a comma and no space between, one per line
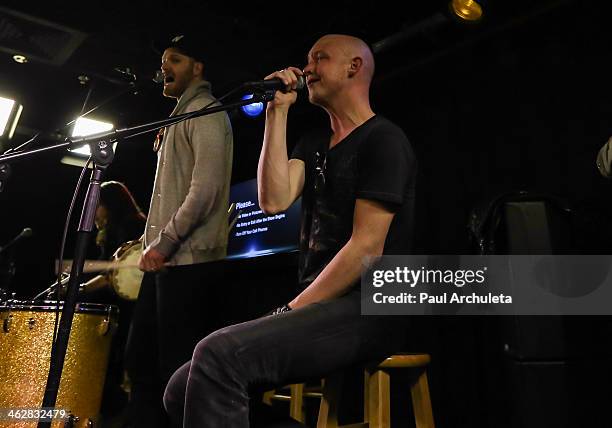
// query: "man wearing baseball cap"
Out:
[186,227]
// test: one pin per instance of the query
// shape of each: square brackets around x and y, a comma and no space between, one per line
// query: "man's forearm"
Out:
[370,226]
[273,181]
[338,277]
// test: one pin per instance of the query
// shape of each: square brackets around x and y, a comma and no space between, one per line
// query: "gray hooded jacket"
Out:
[187,219]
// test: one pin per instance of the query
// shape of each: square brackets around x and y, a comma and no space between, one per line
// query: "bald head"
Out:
[339,71]
[354,49]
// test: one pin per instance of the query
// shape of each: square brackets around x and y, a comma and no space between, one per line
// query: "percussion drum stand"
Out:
[102,155]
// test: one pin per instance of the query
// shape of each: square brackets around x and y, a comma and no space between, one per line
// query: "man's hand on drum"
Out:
[151,260]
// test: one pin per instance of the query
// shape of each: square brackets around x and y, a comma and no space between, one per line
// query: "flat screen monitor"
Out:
[255,233]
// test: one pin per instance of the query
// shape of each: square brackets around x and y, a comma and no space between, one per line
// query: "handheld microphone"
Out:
[126,73]
[158,77]
[275,84]
[130,77]
[25,233]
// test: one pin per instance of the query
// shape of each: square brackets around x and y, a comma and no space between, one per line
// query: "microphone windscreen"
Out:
[301,82]
[158,77]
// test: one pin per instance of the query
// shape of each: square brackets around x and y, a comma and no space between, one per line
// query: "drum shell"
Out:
[126,282]
[26,332]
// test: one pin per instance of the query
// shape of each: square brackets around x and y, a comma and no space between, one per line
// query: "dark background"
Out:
[519,101]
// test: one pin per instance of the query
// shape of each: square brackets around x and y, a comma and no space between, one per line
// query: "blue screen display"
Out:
[255,233]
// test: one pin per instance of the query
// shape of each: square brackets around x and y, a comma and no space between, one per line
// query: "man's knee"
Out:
[174,396]
[218,349]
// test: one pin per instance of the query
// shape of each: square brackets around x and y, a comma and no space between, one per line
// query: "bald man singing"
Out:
[357,183]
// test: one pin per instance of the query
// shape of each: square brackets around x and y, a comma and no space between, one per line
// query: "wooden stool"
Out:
[294,394]
[377,395]
[377,400]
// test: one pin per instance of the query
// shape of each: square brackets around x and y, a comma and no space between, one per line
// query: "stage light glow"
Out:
[252,110]
[83,127]
[10,111]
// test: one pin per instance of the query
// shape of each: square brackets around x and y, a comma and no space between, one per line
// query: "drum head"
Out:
[126,281]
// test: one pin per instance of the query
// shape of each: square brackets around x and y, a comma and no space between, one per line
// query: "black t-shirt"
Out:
[374,162]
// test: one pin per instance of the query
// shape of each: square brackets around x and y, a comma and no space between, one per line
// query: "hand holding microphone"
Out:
[286,82]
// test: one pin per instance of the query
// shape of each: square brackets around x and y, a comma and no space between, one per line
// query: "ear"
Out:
[198,68]
[355,66]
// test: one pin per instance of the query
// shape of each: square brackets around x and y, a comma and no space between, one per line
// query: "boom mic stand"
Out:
[102,155]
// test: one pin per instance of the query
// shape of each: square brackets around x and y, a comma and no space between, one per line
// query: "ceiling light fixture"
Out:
[10,111]
[468,10]
[84,127]
[21,59]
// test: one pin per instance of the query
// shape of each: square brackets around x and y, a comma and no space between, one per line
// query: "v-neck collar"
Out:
[350,135]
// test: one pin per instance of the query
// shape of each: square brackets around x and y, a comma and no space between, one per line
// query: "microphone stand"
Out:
[16,239]
[102,154]
[48,291]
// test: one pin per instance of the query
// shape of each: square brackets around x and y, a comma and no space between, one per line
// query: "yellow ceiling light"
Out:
[468,10]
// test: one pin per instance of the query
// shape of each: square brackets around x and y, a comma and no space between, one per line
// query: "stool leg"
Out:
[421,402]
[379,407]
[267,397]
[296,404]
[328,410]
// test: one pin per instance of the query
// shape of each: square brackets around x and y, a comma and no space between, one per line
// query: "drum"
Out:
[126,280]
[26,333]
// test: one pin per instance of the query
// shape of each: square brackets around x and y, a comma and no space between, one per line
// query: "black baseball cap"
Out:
[186,44]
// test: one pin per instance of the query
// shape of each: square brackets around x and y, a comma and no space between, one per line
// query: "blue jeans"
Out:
[212,390]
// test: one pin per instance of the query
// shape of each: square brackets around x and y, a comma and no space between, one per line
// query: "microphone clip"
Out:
[266,95]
